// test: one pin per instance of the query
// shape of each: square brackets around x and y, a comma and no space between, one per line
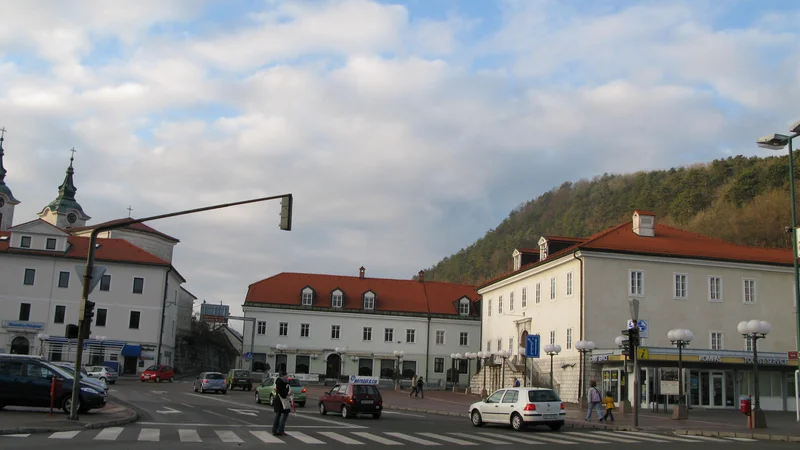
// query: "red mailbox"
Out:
[744,405]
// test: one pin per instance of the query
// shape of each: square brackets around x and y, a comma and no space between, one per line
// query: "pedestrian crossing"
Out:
[371,438]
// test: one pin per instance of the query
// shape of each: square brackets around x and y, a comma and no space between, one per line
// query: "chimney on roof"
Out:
[421,276]
[644,223]
[361,272]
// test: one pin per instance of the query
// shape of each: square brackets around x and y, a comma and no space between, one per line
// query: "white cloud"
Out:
[399,147]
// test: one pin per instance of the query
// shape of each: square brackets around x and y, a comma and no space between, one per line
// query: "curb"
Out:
[750,435]
[132,417]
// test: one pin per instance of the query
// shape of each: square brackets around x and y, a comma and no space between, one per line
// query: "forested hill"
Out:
[739,199]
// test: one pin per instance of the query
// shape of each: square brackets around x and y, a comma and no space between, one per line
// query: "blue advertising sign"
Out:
[532,342]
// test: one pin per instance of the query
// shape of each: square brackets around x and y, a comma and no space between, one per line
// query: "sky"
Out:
[404,130]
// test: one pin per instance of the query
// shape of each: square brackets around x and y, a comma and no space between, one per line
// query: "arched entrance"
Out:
[20,346]
[334,366]
[523,339]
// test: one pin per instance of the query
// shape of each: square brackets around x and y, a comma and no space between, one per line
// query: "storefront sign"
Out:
[792,356]
[297,376]
[711,358]
[355,379]
[770,361]
[21,325]
[600,358]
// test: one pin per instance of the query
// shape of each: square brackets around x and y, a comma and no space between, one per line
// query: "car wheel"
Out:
[66,404]
[194,388]
[517,423]
[322,409]
[142,380]
[376,415]
[103,379]
[556,426]
[113,382]
[271,399]
[476,419]
[171,379]
[158,379]
[346,411]
[202,390]
[301,404]
[224,392]
[258,399]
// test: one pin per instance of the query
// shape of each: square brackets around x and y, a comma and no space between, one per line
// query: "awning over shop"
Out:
[131,350]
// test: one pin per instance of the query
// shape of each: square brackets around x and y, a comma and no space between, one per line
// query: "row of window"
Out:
[64,278]
[537,295]
[60,312]
[25,242]
[366,333]
[680,289]
[337,301]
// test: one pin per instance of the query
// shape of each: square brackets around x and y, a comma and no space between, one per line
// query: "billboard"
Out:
[214,313]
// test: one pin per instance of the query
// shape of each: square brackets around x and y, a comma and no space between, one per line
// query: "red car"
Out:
[158,373]
[352,399]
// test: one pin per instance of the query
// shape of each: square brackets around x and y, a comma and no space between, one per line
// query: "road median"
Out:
[19,420]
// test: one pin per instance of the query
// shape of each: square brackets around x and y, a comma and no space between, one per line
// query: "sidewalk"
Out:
[782,426]
[20,420]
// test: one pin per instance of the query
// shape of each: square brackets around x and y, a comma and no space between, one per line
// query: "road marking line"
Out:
[707,438]
[150,434]
[109,434]
[64,434]
[187,405]
[228,436]
[189,436]
[266,438]
[528,440]
[657,436]
[484,439]
[403,414]
[589,440]
[223,425]
[641,438]
[338,437]
[413,439]
[612,435]
[451,440]
[16,435]
[304,438]
[734,438]
[375,438]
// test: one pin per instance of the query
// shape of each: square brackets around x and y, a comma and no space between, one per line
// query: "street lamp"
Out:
[281,349]
[484,356]
[341,351]
[470,356]
[453,358]
[398,354]
[622,343]
[552,350]
[102,340]
[755,330]
[42,337]
[680,337]
[584,347]
[503,354]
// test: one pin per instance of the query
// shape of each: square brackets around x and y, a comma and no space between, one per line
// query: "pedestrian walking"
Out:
[413,386]
[608,403]
[595,400]
[420,384]
[516,382]
[281,405]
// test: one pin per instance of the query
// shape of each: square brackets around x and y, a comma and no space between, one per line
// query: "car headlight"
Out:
[89,390]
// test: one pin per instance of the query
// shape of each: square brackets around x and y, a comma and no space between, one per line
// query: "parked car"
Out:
[352,399]
[103,373]
[26,381]
[520,407]
[158,373]
[239,378]
[70,369]
[267,390]
[210,381]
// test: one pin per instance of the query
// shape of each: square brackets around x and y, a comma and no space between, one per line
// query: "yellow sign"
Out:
[643,353]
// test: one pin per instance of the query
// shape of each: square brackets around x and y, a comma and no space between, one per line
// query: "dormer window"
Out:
[463,307]
[51,244]
[517,256]
[25,242]
[369,301]
[337,299]
[542,249]
[307,298]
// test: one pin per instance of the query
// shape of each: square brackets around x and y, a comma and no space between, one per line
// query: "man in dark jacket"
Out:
[281,405]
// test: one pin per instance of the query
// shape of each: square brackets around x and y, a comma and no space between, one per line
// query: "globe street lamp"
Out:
[398,355]
[484,356]
[281,349]
[584,347]
[455,376]
[755,330]
[503,354]
[470,356]
[42,337]
[680,337]
[552,350]
[341,351]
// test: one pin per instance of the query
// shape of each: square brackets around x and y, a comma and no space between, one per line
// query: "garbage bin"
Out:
[744,405]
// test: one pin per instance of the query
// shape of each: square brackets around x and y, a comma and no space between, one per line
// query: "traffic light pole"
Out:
[637,400]
[83,324]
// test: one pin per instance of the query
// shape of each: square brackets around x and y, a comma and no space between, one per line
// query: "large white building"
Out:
[139,296]
[314,314]
[572,289]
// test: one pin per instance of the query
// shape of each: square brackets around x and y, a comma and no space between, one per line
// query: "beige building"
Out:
[572,289]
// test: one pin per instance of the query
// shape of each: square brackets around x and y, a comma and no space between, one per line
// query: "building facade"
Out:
[579,289]
[314,315]
[41,264]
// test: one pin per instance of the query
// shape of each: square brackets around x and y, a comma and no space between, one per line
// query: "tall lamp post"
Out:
[398,355]
[755,330]
[470,356]
[503,354]
[102,340]
[583,347]
[484,356]
[455,376]
[624,404]
[680,337]
[778,142]
[341,351]
[42,337]
[552,350]
[281,349]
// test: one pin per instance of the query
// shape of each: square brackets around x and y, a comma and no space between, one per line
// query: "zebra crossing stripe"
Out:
[529,440]
[413,439]
[451,440]
[657,436]
[706,438]
[304,438]
[488,440]
[64,434]
[150,434]
[374,438]
[626,439]
[340,438]
[228,436]
[266,438]
[588,440]
[109,434]
[189,436]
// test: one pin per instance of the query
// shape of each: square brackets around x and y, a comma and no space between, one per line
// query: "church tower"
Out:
[64,211]
[7,200]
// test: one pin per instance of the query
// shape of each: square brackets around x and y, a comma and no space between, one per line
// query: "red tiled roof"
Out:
[668,241]
[528,250]
[136,227]
[642,212]
[111,250]
[410,296]
[564,239]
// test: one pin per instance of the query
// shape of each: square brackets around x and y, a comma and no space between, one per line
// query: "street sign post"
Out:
[532,344]
[643,327]
[633,307]
[97,275]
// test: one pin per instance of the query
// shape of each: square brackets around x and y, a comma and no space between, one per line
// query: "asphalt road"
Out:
[175,417]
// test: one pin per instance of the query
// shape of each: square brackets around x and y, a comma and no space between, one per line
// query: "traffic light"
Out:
[286,213]
[72,331]
[87,330]
[88,311]
[633,341]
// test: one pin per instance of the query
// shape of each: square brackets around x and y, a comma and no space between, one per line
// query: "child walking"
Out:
[608,402]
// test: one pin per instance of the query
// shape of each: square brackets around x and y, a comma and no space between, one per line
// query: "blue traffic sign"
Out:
[247,356]
[642,327]
[532,342]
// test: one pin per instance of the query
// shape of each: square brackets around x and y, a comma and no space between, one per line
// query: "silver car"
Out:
[103,373]
[70,369]
[210,381]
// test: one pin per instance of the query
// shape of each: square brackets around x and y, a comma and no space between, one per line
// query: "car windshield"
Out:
[60,371]
[543,395]
[360,389]
[294,382]
[152,369]
[109,369]
[215,376]
[241,373]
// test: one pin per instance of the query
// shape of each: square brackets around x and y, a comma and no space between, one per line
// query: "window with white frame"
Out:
[388,334]
[569,284]
[538,295]
[463,339]
[636,287]
[307,298]
[553,337]
[552,288]
[438,365]
[366,334]
[489,309]
[369,301]
[463,308]
[411,336]
[499,344]
[305,330]
[716,340]
[524,297]
[489,346]
[283,329]
[261,329]
[510,343]
[749,291]
[500,304]
[748,344]
[511,301]
[439,337]
[680,285]
[569,338]
[335,331]
[337,299]
[714,289]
